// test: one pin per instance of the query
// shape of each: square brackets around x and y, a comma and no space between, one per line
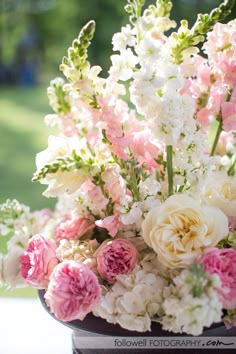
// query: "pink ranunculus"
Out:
[73,291]
[223,263]
[73,228]
[38,261]
[116,257]
[111,223]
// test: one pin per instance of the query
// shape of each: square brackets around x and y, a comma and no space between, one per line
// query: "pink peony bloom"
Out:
[116,257]
[72,228]
[38,261]
[223,263]
[111,223]
[73,291]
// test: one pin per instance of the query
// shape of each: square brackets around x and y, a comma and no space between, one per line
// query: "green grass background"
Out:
[22,135]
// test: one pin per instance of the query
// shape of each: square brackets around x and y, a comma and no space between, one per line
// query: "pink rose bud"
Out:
[116,257]
[72,228]
[73,291]
[38,261]
[223,263]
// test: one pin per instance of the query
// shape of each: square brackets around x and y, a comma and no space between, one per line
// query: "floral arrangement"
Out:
[143,169]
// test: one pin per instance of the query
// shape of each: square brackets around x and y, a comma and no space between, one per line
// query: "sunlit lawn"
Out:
[22,135]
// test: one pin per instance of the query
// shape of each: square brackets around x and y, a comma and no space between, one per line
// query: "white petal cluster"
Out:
[123,64]
[138,210]
[132,301]
[124,39]
[187,313]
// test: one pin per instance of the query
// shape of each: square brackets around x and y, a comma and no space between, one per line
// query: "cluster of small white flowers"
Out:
[138,210]
[187,313]
[190,159]
[12,216]
[133,300]
[149,187]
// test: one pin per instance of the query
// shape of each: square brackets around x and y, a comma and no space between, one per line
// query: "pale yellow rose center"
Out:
[181,231]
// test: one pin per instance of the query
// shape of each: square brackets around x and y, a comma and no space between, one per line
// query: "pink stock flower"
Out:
[229,113]
[114,114]
[223,263]
[203,117]
[230,72]
[72,228]
[220,40]
[95,194]
[111,223]
[73,291]
[144,150]
[116,257]
[229,116]
[38,261]
[225,143]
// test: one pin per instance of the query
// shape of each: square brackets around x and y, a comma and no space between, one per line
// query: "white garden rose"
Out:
[181,228]
[220,191]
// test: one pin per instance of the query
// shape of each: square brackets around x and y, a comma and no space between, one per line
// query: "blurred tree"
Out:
[61,25]
[58,22]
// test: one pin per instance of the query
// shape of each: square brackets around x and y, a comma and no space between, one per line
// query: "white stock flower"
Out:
[123,64]
[149,50]
[180,229]
[123,39]
[188,313]
[138,210]
[219,190]
[149,187]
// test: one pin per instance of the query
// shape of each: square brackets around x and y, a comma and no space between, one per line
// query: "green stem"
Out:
[217,136]
[169,158]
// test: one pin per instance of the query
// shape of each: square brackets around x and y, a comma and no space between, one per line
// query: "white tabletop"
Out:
[26,328]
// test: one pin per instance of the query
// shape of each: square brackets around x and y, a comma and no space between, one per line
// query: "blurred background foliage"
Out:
[34,36]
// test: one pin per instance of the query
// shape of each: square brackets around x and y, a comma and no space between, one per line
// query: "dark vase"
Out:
[94,327]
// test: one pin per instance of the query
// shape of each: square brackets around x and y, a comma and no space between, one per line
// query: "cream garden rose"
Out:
[220,191]
[181,228]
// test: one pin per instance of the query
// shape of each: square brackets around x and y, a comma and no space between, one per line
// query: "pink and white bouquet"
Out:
[143,169]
